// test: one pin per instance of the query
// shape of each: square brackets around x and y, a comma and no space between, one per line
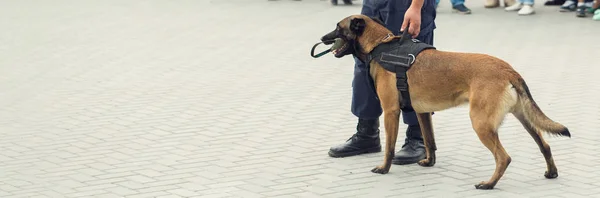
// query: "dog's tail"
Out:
[533,114]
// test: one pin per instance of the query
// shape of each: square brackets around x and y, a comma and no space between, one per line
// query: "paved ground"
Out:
[180,99]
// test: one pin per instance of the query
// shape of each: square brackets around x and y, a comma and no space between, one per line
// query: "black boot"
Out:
[413,149]
[554,2]
[365,140]
[347,2]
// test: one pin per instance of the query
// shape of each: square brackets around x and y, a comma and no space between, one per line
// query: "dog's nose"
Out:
[328,38]
[323,39]
[328,42]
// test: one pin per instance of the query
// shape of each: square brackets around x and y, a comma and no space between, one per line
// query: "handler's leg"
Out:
[365,106]
[413,149]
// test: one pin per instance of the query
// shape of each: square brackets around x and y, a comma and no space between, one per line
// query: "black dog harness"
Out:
[397,56]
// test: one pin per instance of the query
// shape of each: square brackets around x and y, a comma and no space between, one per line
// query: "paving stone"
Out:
[220,98]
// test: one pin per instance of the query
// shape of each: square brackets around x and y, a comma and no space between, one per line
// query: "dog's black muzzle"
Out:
[328,39]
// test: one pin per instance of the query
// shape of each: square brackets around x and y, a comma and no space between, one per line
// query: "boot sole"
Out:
[353,153]
[405,161]
[459,12]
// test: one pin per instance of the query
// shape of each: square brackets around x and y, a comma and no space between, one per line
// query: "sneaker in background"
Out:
[554,2]
[514,7]
[526,10]
[461,8]
[568,6]
[596,16]
[583,9]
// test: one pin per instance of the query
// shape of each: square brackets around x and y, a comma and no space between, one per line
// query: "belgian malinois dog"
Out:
[440,80]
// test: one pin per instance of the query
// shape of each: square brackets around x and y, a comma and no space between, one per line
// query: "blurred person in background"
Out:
[457,6]
[581,7]
[496,3]
[554,2]
[596,11]
[347,2]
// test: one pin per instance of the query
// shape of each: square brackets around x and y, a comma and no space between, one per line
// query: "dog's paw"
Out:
[484,186]
[380,170]
[426,162]
[551,175]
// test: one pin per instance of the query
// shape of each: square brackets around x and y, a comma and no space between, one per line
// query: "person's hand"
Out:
[412,19]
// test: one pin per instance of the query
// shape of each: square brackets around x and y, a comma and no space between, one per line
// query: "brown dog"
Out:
[490,86]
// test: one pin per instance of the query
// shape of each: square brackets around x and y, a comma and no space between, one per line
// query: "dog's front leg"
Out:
[385,84]
[391,118]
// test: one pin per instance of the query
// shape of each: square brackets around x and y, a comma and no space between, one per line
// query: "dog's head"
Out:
[349,30]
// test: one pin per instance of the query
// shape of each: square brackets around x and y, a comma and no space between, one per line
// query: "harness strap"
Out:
[397,57]
[399,64]
[368,63]
[402,85]
[404,63]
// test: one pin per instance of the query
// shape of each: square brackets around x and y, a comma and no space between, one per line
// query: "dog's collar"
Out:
[388,36]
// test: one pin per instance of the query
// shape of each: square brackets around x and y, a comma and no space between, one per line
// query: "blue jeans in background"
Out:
[457,2]
[454,2]
[526,2]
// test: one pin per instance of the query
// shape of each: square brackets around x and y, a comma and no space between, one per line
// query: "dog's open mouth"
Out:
[339,46]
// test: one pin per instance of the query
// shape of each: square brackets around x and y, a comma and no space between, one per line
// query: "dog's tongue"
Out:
[338,43]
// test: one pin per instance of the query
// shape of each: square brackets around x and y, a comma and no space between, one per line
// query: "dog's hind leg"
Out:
[428,139]
[488,107]
[551,171]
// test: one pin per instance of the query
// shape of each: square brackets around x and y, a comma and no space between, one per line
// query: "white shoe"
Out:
[596,16]
[514,7]
[526,10]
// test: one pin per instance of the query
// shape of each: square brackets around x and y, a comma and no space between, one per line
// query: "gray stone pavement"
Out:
[221,99]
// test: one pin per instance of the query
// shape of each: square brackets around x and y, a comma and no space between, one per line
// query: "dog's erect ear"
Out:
[357,26]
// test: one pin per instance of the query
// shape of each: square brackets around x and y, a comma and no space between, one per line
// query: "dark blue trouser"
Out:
[365,104]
